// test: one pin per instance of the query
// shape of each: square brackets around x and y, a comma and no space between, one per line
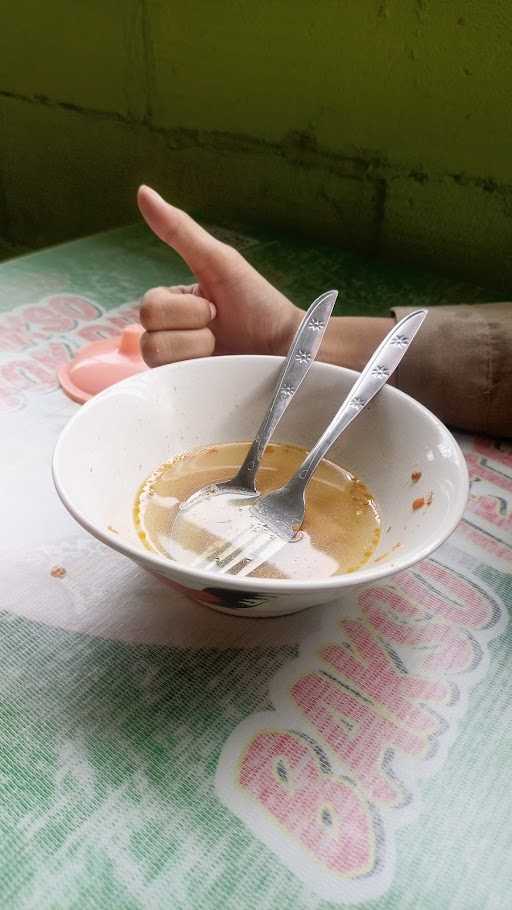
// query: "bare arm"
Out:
[460,365]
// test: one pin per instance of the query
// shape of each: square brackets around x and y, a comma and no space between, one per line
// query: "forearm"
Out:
[459,366]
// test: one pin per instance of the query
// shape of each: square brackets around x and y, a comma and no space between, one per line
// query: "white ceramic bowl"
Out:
[114,442]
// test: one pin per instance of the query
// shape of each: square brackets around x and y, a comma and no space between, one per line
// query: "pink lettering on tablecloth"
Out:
[49,334]
[500,452]
[324,813]
[112,325]
[22,374]
[72,306]
[486,530]
[47,321]
[38,371]
[59,314]
[363,659]
[480,469]
[357,734]
[446,593]
[491,549]
[440,646]
[17,336]
[372,702]
[92,333]
[53,356]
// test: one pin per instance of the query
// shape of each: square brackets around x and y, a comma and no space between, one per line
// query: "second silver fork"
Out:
[261,527]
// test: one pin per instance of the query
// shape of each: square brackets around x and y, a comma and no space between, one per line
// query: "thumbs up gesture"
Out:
[230,309]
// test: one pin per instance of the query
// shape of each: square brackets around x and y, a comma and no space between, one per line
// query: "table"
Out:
[155,754]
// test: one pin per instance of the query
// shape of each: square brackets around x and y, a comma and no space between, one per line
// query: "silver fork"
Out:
[301,355]
[262,527]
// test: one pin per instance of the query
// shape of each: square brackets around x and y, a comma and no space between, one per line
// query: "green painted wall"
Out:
[380,124]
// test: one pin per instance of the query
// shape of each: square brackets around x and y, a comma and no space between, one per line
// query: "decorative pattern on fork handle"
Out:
[287,391]
[273,519]
[302,357]
[380,371]
[401,341]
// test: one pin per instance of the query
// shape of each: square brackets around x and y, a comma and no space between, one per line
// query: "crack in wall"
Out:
[299,149]
[45,101]
[365,166]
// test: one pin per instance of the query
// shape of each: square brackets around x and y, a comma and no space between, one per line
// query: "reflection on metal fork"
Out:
[258,528]
[296,366]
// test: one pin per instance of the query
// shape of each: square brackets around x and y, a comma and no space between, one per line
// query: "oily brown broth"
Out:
[341,528]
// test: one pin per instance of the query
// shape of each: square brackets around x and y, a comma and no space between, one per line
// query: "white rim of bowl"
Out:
[274,586]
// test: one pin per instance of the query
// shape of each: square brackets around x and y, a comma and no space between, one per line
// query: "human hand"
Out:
[231,309]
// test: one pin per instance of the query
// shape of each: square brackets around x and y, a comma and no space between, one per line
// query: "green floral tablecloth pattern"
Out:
[155,754]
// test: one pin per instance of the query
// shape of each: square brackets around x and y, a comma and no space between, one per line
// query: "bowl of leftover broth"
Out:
[391,490]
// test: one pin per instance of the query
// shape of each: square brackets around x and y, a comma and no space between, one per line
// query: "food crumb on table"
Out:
[57,572]
[415,476]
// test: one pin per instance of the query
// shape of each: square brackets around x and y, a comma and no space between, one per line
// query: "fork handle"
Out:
[376,373]
[301,355]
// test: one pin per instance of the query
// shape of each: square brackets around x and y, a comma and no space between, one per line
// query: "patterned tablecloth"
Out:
[155,754]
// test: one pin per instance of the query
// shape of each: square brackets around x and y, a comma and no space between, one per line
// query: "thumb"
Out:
[195,245]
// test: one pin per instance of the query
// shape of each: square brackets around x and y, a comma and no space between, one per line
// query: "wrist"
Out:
[284,335]
[351,340]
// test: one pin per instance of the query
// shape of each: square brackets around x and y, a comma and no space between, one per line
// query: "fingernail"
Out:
[213,311]
[152,192]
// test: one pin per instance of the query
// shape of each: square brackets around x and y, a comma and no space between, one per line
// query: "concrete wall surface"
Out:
[382,125]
